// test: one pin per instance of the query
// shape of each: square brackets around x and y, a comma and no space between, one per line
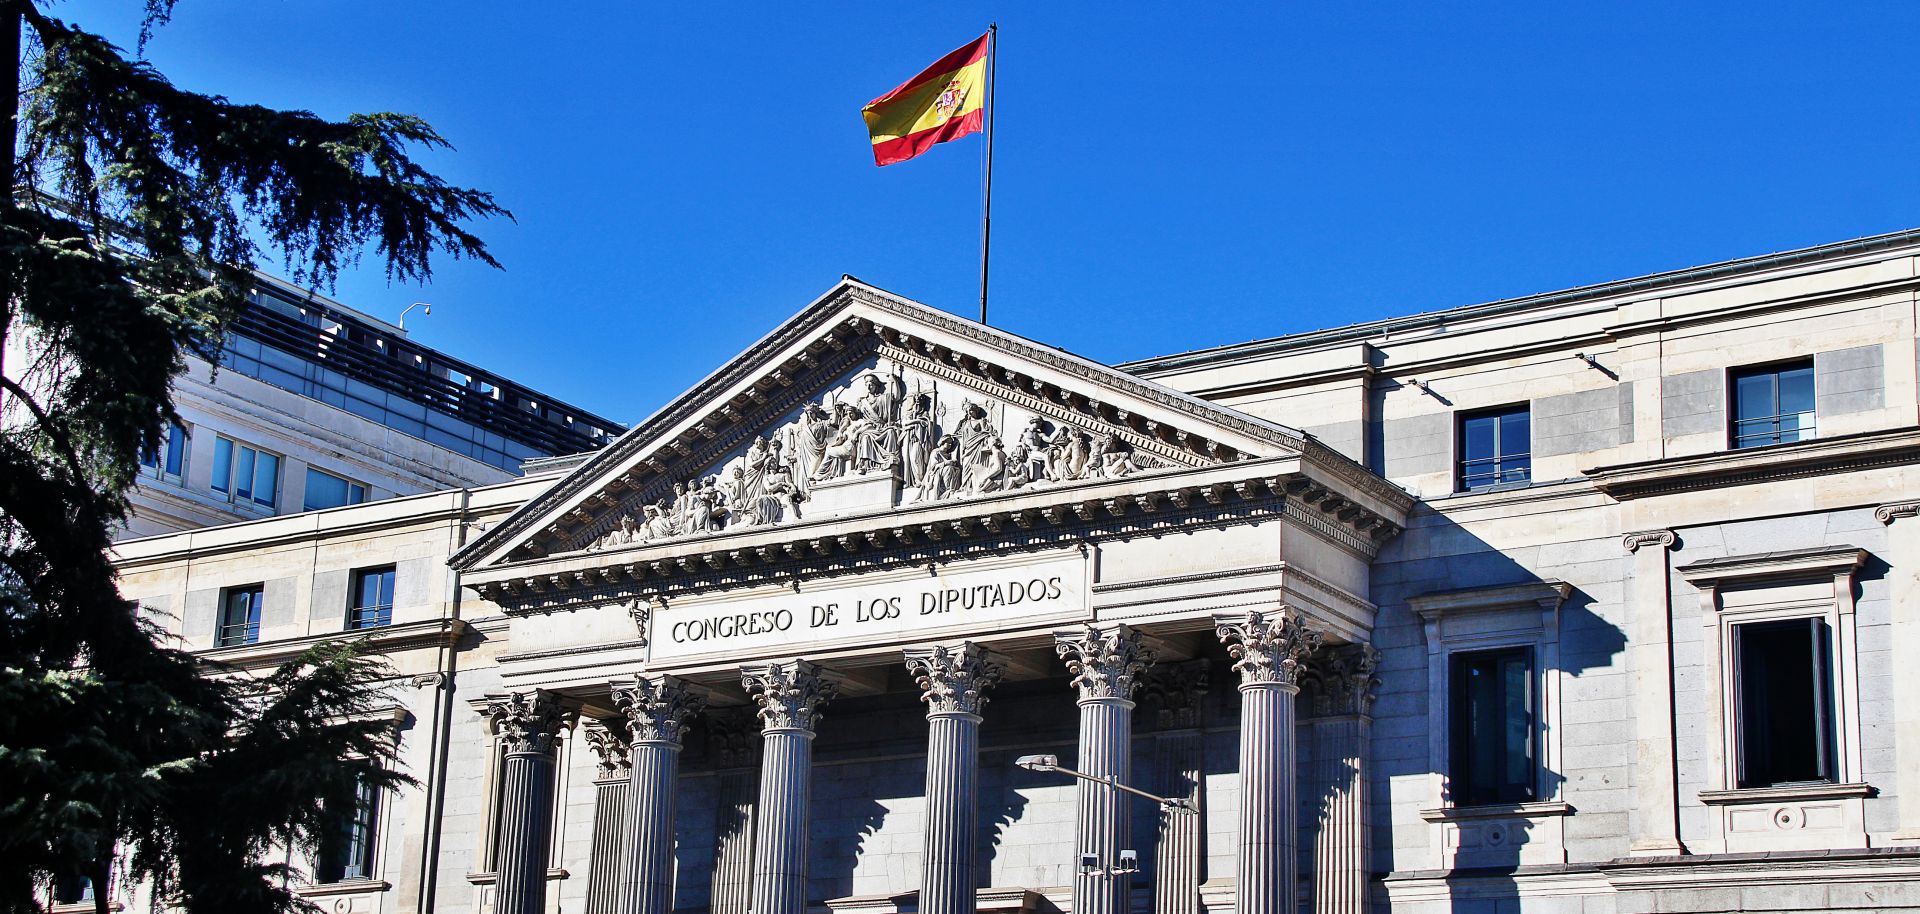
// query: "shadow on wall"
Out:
[1436,555]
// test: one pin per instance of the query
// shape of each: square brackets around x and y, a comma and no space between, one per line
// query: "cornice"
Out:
[1819,457]
[1797,563]
[1533,594]
[387,639]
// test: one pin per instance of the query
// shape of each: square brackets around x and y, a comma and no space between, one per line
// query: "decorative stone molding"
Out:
[429,680]
[1722,469]
[656,708]
[955,680]
[1893,511]
[1175,692]
[1662,538]
[1104,663]
[527,721]
[1267,647]
[610,749]
[790,693]
[1341,681]
[641,612]
[1710,574]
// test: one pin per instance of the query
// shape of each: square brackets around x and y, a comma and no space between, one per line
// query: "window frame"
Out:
[360,850]
[306,504]
[1459,723]
[1499,458]
[249,630]
[173,445]
[229,490]
[356,617]
[1733,378]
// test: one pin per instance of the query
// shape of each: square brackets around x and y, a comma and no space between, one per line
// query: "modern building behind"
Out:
[1592,602]
[315,405]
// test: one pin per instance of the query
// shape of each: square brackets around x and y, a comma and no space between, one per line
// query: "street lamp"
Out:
[1090,863]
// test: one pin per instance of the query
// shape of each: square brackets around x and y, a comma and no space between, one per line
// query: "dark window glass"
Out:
[72,889]
[248,474]
[1492,727]
[240,616]
[170,458]
[372,599]
[346,852]
[1773,404]
[325,490]
[1785,702]
[1495,447]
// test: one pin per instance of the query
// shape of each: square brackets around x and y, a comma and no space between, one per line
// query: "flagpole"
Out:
[986,209]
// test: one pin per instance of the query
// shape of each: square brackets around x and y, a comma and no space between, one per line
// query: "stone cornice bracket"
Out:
[527,722]
[790,693]
[1341,681]
[1893,511]
[1105,663]
[1175,692]
[641,612]
[955,679]
[656,708]
[1662,538]
[610,749]
[1267,648]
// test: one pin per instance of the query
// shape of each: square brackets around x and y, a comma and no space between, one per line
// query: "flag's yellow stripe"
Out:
[918,110]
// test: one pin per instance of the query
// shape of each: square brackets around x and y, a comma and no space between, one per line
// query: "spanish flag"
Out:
[943,103]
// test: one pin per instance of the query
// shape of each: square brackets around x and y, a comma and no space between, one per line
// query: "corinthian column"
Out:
[1343,689]
[1174,692]
[656,709]
[733,742]
[953,682]
[611,778]
[528,725]
[1268,650]
[790,695]
[1105,664]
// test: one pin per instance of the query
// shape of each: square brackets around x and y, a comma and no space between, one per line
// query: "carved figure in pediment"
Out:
[919,435]
[973,429]
[987,471]
[837,458]
[1067,454]
[1112,457]
[807,443]
[944,474]
[1030,451]
[878,432]
[659,522]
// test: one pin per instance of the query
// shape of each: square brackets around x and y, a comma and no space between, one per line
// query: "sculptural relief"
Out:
[924,436]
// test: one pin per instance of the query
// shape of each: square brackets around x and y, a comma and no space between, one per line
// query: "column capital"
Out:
[656,708]
[1340,682]
[611,752]
[1174,691]
[790,693]
[1105,663]
[733,736]
[527,722]
[1267,648]
[1633,541]
[954,679]
[1893,511]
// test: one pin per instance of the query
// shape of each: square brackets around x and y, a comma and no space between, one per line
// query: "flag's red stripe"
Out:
[900,149]
[971,52]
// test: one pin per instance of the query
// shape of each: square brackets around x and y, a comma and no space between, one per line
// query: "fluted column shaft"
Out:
[953,682]
[1268,650]
[732,885]
[1343,694]
[656,709]
[1178,856]
[790,695]
[1105,664]
[611,781]
[528,725]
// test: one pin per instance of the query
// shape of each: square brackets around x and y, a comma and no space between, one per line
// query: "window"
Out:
[372,598]
[1784,703]
[245,473]
[1492,727]
[347,850]
[325,490]
[1773,404]
[72,889]
[168,460]
[240,615]
[1495,448]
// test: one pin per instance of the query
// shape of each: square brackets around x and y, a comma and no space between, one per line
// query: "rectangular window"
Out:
[1773,404]
[72,889]
[1495,448]
[240,615]
[245,473]
[325,490]
[347,850]
[1492,727]
[372,598]
[169,459]
[1784,702]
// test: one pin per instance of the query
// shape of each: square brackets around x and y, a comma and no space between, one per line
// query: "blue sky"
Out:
[686,176]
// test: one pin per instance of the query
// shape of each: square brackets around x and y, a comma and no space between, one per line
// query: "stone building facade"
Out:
[1593,601]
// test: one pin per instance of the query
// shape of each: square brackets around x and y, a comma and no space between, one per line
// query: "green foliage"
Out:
[133,242]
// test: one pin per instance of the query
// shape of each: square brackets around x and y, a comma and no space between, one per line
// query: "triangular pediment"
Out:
[869,404]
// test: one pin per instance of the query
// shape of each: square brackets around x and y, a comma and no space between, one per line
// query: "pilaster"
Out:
[1269,652]
[733,743]
[611,782]
[1655,816]
[1903,585]
[1341,688]
[1175,694]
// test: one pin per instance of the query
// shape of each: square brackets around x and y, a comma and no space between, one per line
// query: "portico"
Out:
[880,508]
